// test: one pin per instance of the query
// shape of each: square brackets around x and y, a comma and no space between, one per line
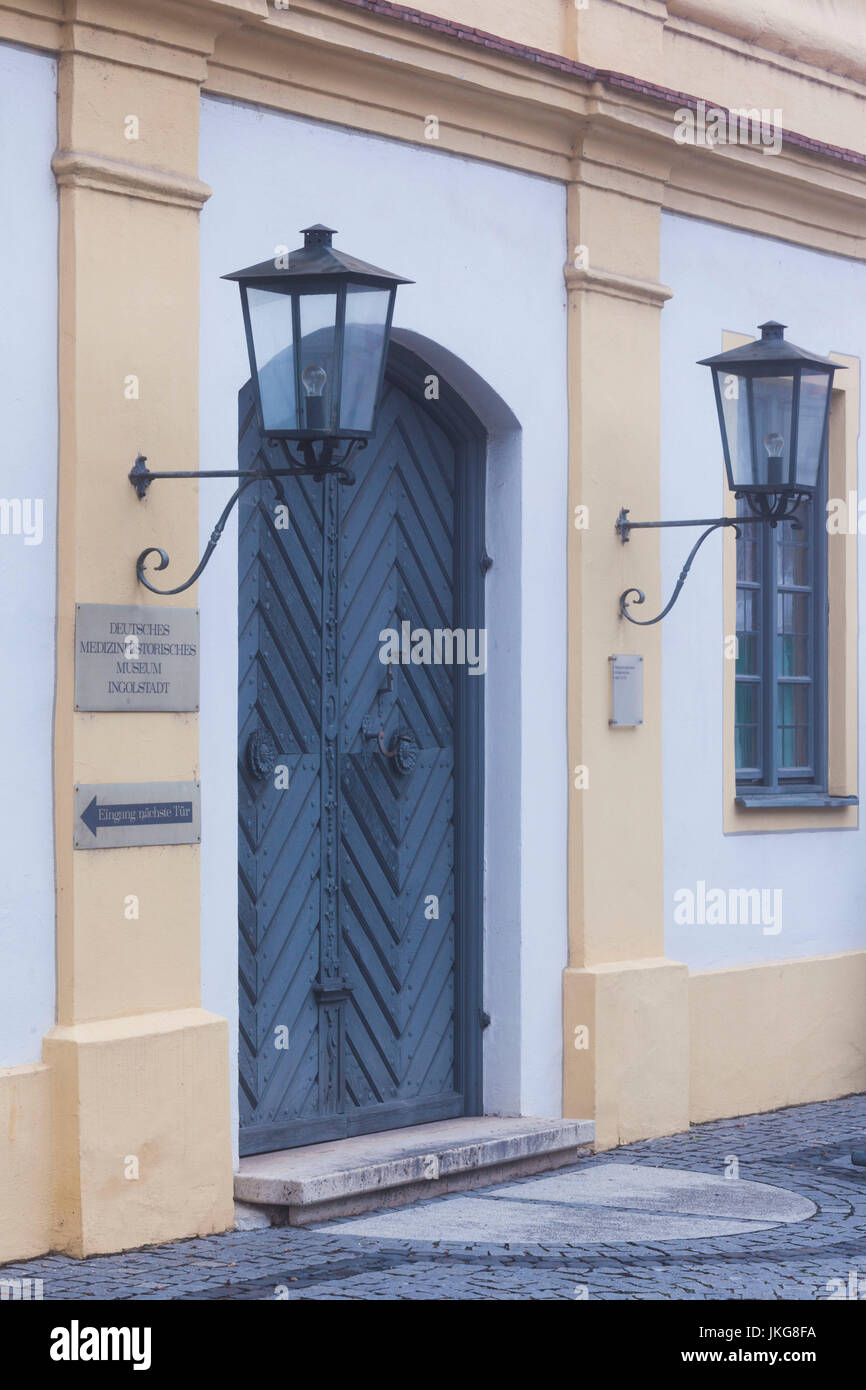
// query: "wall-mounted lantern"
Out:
[318,324]
[773,401]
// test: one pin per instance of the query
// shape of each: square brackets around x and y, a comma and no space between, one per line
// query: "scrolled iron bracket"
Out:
[307,463]
[638,595]
[769,509]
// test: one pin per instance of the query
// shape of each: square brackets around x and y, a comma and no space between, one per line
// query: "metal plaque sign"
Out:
[114,815]
[128,657]
[626,691]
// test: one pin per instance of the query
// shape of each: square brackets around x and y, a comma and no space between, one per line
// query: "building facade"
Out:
[542,914]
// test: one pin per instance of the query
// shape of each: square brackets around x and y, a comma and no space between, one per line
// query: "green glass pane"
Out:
[783,655]
[799,613]
[747,655]
[799,656]
[746,703]
[746,747]
[793,655]
[747,557]
[786,748]
[801,747]
[784,564]
[801,695]
[786,704]
[794,725]
[791,563]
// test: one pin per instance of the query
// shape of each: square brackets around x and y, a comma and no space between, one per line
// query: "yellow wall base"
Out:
[142,1146]
[633,1077]
[765,1036]
[665,1048]
[25,1162]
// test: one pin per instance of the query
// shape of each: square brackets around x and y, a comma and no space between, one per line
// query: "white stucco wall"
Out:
[486,248]
[732,280]
[28,475]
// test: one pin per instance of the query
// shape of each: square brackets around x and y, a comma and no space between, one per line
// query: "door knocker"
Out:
[403,750]
[261,754]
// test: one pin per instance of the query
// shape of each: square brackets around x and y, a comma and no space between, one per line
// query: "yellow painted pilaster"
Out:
[625,1007]
[142,1144]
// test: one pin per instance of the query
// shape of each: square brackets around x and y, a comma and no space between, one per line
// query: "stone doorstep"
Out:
[296,1187]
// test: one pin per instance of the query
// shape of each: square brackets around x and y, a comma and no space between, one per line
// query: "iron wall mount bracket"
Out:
[309,463]
[767,508]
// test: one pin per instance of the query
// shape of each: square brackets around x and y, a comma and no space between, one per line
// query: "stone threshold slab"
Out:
[373,1171]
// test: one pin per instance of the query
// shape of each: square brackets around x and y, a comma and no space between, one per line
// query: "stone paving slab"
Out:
[646,1188]
[496,1219]
[799,1149]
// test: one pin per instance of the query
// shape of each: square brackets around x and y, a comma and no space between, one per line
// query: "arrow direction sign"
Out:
[121,814]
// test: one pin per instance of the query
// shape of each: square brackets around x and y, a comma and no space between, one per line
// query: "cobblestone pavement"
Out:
[804,1149]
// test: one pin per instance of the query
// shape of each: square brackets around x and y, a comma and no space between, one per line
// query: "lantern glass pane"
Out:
[364,344]
[271,323]
[735,417]
[771,419]
[814,390]
[318,336]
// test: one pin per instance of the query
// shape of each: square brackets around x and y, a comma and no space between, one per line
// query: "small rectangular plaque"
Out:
[128,657]
[626,691]
[113,815]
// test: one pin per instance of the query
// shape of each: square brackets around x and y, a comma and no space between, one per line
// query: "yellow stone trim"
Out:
[588,280]
[842,674]
[39,25]
[633,1076]
[366,71]
[494,108]
[138,1070]
[387,79]
[777,1033]
[828,42]
[79,169]
[25,1162]
[142,1150]
[632,1079]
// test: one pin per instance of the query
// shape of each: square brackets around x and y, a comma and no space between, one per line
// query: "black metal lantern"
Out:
[318,323]
[773,400]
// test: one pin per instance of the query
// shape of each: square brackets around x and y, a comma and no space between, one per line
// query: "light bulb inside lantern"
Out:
[314,379]
[774,445]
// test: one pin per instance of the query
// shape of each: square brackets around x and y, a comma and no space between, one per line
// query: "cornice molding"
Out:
[80,169]
[835,42]
[497,101]
[587,280]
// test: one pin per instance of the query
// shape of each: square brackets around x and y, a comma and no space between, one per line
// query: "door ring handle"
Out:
[404,750]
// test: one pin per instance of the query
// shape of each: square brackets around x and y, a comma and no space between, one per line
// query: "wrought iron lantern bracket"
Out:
[309,463]
[767,508]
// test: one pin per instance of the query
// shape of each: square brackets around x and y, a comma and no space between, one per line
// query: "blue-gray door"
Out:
[360,872]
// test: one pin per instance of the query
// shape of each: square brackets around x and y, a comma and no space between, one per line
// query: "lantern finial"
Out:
[772,330]
[318,235]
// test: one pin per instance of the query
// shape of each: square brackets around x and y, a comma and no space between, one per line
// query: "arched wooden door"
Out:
[360,890]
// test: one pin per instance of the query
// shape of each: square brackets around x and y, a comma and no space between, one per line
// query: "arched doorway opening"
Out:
[360,778]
